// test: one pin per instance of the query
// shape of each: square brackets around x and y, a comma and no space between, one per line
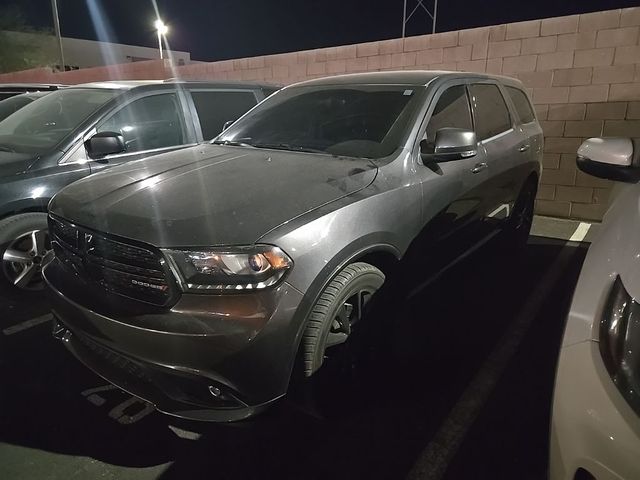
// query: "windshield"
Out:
[40,125]
[368,121]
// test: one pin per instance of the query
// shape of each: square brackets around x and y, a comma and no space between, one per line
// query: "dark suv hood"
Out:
[209,195]
[12,163]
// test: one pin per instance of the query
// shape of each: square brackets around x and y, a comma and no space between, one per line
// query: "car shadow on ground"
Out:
[369,423]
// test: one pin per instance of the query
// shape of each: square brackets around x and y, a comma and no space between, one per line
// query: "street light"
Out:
[162,29]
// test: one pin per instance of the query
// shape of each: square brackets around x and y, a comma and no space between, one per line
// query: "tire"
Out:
[519,225]
[17,240]
[327,318]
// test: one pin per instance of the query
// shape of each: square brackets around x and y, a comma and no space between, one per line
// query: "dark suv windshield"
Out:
[40,125]
[358,121]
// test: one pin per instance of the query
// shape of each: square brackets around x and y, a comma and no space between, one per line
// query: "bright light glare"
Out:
[161,27]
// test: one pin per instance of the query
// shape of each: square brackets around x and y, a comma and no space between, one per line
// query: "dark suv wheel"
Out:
[24,243]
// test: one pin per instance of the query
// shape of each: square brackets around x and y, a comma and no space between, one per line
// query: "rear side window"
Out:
[452,110]
[521,102]
[492,115]
[215,108]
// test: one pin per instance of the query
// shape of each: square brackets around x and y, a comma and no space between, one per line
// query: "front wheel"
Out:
[339,311]
[24,242]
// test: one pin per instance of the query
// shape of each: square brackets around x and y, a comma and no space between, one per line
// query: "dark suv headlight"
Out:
[620,342]
[235,268]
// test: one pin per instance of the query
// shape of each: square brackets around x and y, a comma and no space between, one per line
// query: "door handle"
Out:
[479,167]
[524,148]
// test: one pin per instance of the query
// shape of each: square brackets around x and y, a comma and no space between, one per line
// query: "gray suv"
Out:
[199,279]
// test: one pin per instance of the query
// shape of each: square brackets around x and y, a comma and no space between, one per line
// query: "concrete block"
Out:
[627,55]
[606,111]
[522,63]
[473,36]
[510,48]
[567,112]
[444,39]
[494,66]
[319,68]
[391,46]
[551,160]
[583,128]
[431,56]
[541,111]
[585,180]
[552,61]
[552,128]
[561,145]
[591,211]
[576,41]
[497,33]
[357,64]
[457,54]
[622,128]
[633,111]
[589,94]
[539,45]
[553,208]
[624,91]
[559,25]
[407,59]
[336,66]
[595,57]
[526,29]
[614,74]
[420,42]
[478,66]
[630,17]
[617,37]
[367,49]
[536,79]
[546,192]
[599,20]
[574,194]
[572,76]
[551,95]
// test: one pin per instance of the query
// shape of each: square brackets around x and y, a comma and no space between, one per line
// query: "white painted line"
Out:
[581,232]
[19,327]
[435,458]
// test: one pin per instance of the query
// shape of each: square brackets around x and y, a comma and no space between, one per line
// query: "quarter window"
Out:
[491,113]
[452,110]
[521,102]
[216,108]
[148,123]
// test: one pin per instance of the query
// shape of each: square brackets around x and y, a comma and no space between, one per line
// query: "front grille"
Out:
[118,267]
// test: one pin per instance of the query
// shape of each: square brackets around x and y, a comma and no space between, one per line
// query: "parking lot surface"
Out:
[459,388]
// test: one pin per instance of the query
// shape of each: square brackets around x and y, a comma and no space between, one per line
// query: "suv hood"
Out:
[209,195]
[12,163]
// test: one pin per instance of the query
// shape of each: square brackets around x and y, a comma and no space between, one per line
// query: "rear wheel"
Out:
[24,242]
[519,225]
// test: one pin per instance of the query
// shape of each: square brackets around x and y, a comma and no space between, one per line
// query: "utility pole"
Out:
[56,27]
[433,16]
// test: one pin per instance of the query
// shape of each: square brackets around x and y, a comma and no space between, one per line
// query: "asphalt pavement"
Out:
[458,386]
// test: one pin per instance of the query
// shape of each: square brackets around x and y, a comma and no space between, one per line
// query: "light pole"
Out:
[56,27]
[162,29]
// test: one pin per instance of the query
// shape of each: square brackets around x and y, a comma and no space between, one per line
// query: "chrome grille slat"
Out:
[127,270]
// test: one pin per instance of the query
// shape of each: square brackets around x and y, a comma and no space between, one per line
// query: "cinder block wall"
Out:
[582,72]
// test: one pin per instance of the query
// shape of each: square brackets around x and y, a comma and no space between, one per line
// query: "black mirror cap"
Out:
[450,144]
[607,171]
[105,143]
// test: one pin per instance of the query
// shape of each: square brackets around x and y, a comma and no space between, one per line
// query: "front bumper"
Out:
[209,357]
[593,428]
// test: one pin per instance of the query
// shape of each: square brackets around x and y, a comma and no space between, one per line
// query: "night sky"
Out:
[220,29]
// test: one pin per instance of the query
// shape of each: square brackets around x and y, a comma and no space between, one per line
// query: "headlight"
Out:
[620,342]
[235,268]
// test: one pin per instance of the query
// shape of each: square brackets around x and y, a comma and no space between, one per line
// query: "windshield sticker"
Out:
[407,92]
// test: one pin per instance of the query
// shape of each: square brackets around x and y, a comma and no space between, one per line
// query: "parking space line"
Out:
[435,458]
[19,327]
[581,232]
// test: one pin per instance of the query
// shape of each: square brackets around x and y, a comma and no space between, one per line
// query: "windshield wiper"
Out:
[288,146]
[6,149]
[231,143]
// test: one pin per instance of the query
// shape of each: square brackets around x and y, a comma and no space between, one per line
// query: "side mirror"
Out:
[227,124]
[611,158]
[104,143]
[450,144]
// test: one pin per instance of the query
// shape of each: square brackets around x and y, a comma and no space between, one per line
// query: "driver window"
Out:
[452,110]
[148,123]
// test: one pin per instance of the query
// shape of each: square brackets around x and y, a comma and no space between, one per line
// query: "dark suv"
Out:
[73,132]
[196,279]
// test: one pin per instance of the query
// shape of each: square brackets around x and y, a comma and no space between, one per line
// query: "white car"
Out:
[595,431]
